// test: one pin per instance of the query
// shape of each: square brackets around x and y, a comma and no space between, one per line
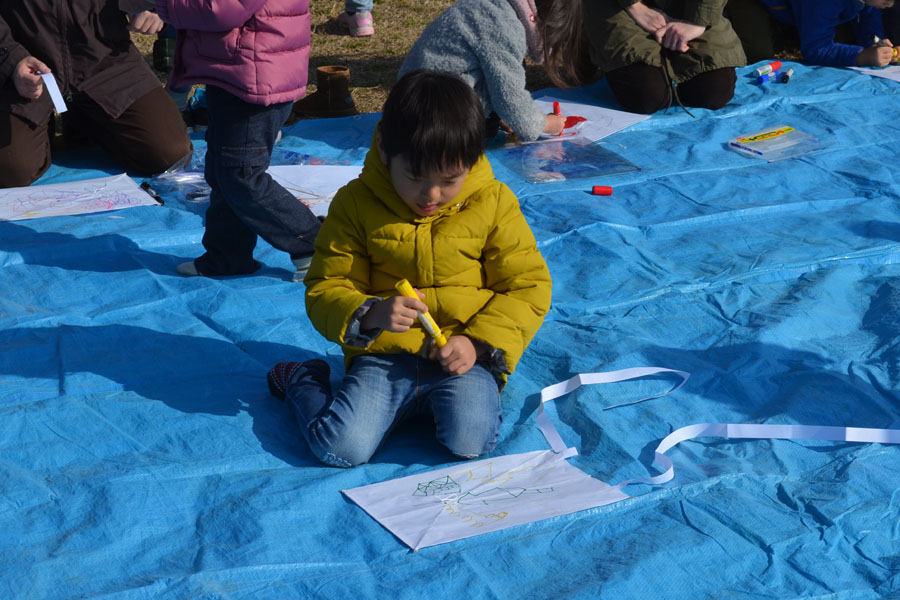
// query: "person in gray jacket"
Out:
[486,42]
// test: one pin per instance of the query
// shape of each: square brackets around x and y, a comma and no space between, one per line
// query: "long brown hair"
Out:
[561,25]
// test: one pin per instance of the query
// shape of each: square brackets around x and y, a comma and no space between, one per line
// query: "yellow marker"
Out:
[425,319]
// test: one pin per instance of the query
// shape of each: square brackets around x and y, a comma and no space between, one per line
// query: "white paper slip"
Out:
[50,82]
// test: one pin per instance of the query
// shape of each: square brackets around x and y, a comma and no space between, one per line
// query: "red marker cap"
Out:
[601,190]
[775,65]
[556,110]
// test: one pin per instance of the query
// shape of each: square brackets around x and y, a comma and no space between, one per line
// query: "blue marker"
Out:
[766,77]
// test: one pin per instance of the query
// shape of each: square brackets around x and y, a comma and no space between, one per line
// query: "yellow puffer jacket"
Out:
[475,260]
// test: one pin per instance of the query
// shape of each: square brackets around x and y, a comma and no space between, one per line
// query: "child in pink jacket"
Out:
[252,55]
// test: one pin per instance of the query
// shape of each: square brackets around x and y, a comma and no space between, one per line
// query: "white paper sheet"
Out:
[73,198]
[600,123]
[477,497]
[890,72]
[314,185]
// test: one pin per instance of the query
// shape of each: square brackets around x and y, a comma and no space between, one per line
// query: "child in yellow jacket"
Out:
[426,208]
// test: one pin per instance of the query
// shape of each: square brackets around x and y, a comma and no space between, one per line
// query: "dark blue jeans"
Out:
[381,390]
[245,201]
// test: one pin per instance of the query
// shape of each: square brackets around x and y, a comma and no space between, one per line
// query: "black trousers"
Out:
[148,138]
[641,88]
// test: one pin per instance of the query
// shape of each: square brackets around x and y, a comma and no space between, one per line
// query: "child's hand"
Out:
[26,77]
[457,356]
[648,19]
[396,313]
[875,56]
[554,124]
[676,35]
[146,23]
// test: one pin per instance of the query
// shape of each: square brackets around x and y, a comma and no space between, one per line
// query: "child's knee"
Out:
[471,448]
[346,451]
[472,441]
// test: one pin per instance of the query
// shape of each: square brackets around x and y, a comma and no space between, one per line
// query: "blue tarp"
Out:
[141,455]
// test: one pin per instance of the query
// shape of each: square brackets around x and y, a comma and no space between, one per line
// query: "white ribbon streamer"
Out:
[552,392]
[723,430]
[753,431]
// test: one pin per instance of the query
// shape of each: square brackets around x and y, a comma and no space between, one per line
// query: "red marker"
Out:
[601,190]
[556,110]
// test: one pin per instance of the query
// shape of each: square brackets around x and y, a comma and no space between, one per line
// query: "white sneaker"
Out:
[302,264]
[188,269]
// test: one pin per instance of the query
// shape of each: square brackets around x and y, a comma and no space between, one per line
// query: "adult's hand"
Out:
[145,22]
[648,19]
[676,35]
[27,78]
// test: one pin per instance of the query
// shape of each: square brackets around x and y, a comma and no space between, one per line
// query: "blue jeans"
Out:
[245,201]
[358,5]
[381,390]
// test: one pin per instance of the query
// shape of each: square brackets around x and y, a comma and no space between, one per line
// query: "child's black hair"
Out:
[434,120]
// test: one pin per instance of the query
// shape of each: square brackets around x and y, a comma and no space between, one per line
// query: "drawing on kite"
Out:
[307,197]
[486,489]
[449,491]
[91,198]
[78,197]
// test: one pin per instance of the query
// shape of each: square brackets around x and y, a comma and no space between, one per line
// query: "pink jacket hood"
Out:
[257,50]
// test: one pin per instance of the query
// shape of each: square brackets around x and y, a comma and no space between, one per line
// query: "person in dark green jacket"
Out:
[657,52]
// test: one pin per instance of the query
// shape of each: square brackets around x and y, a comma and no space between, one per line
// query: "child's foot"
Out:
[188,269]
[360,24]
[279,375]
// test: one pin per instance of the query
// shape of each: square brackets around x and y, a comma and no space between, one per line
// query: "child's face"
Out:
[429,192]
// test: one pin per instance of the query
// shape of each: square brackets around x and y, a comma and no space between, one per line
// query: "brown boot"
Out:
[331,99]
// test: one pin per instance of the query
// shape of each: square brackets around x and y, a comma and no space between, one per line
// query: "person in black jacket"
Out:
[112,94]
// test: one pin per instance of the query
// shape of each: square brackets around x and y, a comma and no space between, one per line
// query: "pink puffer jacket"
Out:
[257,50]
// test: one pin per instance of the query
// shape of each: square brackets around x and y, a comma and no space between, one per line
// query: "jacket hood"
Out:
[377,177]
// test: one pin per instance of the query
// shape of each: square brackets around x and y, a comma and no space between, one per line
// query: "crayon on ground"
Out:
[601,190]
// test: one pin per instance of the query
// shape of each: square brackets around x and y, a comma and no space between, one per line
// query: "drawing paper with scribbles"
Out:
[476,497]
[72,198]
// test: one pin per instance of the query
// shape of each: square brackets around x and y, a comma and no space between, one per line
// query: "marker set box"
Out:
[776,143]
